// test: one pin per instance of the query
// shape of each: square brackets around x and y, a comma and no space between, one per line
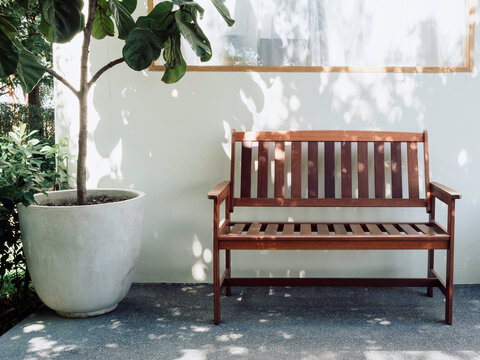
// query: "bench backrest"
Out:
[330,168]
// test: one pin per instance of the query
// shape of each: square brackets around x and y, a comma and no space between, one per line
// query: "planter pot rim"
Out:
[42,196]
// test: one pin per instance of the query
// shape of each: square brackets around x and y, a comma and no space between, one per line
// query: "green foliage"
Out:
[9,58]
[223,10]
[27,166]
[20,22]
[64,17]
[174,63]
[29,70]
[103,24]
[35,118]
[188,26]
[60,20]
[161,30]
[141,46]
[13,274]
[122,18]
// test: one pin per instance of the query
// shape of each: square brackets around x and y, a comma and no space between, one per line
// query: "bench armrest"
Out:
[220,191]
[444,193]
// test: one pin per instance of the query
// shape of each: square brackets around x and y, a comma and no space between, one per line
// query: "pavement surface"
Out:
[174,321]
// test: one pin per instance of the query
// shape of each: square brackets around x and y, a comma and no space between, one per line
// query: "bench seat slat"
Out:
[322,229]
[237,229]
[254,229]
[288,229]
[374,229]
[408,229]
[392,230]
[271,229]
[427,230]
[357,229]
[340,229]
[305,229]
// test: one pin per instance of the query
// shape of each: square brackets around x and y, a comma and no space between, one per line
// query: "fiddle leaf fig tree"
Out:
[146,38]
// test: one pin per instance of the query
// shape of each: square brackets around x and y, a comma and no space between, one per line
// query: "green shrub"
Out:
[27,166]
[35,118]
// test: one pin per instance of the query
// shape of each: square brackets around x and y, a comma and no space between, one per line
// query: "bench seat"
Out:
[340,236]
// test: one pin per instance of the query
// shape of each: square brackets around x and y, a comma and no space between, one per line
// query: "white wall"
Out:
[171,141]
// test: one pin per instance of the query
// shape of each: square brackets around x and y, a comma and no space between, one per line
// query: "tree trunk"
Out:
[82,152]
[34,97]
[33,100]
[82,100]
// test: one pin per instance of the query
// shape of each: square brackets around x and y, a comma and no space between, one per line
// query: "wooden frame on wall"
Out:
[466,67]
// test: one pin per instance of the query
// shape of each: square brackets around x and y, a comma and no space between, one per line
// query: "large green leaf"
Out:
[9,56]
[64,16]
[8,28]
[223,10]
[102,25]
[29,70]
[130,5]
[46,30]
[142,47]
[190,5]
[195,36]
[175,66]
[158,18]
[122,17]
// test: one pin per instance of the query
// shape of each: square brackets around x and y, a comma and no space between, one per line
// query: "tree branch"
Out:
[62,80]
[103,69]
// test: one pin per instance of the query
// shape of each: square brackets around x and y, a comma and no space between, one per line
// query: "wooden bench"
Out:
[331,160]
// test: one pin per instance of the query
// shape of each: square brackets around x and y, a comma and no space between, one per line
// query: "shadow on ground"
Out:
[174,321]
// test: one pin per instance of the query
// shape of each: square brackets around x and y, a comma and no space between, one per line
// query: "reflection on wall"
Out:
[354,33]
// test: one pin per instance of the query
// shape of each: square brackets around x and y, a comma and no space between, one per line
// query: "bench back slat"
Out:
[262,180]
[279,191]
[329,169]
[246,171]
[362,155]
[296,169]
[379,159]
[412,155]
[334,168]
[396,168]
[346,161]
[313,169]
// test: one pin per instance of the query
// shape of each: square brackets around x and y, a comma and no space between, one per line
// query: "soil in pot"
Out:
[93,200]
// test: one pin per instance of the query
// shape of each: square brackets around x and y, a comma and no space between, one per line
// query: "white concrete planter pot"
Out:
[82,258]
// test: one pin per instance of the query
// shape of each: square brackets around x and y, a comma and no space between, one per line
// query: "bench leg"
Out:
[431,258]
[228,289]
[216,286]
[449,285]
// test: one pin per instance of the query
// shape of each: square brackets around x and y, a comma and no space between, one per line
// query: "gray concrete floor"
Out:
[174,321]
